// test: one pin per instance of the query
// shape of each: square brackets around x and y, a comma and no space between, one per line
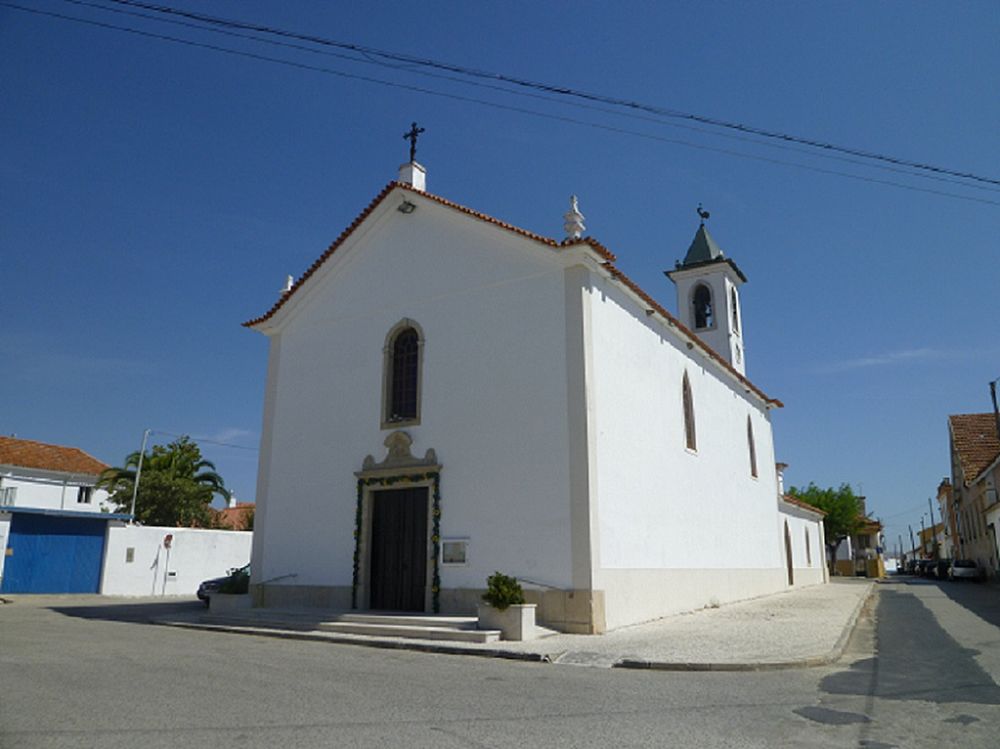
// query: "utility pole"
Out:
[138,473]
[934,544]
[923,535]
[996,411]
[913,543]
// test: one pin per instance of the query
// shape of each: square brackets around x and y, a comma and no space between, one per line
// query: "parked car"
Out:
[924,567]
[941,569]
[963,569]
[208,587]
[911,566]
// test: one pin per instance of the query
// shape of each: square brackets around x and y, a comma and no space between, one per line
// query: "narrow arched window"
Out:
[402,375]
[690,437]
[809,556]
[736,311]
[753,449]
[702,301]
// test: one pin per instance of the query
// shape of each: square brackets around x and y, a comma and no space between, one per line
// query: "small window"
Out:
[402,375]
[690,437]
[702,301]
[83,495]
[809,556]
[8,495]
[753,449]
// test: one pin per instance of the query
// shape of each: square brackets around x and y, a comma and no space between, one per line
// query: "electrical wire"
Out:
[560,90]
[367,59]
[494,105]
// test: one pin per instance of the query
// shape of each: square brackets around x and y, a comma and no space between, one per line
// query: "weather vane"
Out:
[703,213]
[412,137]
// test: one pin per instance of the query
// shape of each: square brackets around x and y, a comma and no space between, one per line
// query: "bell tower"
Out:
[708,297]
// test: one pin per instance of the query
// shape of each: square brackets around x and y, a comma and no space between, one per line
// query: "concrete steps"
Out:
[402,625]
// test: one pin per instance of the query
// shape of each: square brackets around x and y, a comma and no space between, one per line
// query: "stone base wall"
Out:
[573,611]
[634,596]
[576,611]
[333,597]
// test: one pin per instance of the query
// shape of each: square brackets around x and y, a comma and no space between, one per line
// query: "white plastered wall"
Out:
[491,307]
[677,529]
[4,535]
[808,560]
[194,555]
[52,490]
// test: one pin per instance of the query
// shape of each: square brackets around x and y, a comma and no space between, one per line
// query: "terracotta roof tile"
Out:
[804,505]
[40,455]
[608,256]
[975,439]
[235,517]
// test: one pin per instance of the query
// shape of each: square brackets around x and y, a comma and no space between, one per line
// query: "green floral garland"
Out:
[433,476]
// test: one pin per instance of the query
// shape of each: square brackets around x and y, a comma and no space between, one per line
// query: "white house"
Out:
[59,535]
[449,395]
[53,477]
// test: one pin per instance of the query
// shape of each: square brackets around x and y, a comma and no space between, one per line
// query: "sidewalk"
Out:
[798,628]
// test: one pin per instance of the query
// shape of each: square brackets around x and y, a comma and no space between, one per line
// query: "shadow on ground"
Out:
[139,612]
[916,660]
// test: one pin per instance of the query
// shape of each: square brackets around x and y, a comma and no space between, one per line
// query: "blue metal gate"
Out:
[53,554]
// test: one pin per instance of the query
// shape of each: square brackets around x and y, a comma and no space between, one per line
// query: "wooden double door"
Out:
[399,549]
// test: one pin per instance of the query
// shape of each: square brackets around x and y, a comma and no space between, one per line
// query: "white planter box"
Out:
[224,603]
[516,622]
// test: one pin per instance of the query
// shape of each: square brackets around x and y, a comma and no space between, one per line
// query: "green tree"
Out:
[176,485]
[843,513]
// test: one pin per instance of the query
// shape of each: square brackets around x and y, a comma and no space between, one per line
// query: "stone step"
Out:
[415,620]
[415,626]
[415,632]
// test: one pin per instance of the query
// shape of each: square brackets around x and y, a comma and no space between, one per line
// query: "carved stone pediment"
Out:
[399,457]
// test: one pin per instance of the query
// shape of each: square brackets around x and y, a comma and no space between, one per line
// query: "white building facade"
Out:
[50,477]
[449,395]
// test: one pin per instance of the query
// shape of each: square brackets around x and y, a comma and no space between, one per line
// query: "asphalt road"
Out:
[919,672]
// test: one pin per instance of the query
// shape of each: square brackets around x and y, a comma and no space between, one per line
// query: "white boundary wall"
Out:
[194,555]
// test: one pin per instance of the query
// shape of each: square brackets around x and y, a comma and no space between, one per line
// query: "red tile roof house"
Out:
[975,476]
[50,477]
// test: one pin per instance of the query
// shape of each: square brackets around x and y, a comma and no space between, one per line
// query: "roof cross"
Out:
[412,137]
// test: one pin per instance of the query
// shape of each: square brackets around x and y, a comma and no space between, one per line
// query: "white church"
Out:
[449,395]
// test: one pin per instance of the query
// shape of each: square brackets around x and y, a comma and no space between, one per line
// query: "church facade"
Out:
[449,395]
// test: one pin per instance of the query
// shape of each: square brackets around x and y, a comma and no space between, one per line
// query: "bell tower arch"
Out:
[708,297]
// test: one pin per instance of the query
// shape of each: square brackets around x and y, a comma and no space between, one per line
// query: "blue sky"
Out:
[154,195]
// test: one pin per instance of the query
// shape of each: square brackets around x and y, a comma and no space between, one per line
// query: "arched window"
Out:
[809,556]
[753,449]
[690,437]
[402,375]
[702,301]
[736,311]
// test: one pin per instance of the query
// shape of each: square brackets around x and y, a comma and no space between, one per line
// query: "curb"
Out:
[415,645]
[534,657]
[821,660]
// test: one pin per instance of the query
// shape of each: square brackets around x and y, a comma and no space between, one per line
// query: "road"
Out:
[920,671]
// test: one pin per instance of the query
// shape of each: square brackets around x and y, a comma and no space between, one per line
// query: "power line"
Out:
[368,60]
[494,105]
[559,90]
[202,439]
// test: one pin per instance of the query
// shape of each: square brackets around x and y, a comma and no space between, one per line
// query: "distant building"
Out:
[238,516]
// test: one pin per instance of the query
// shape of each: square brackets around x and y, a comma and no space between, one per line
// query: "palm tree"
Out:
[176,484]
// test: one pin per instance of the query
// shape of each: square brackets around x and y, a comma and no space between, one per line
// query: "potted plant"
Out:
[233,593]
[504,608]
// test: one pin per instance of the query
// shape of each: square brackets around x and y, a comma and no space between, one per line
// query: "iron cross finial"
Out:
[412,137]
